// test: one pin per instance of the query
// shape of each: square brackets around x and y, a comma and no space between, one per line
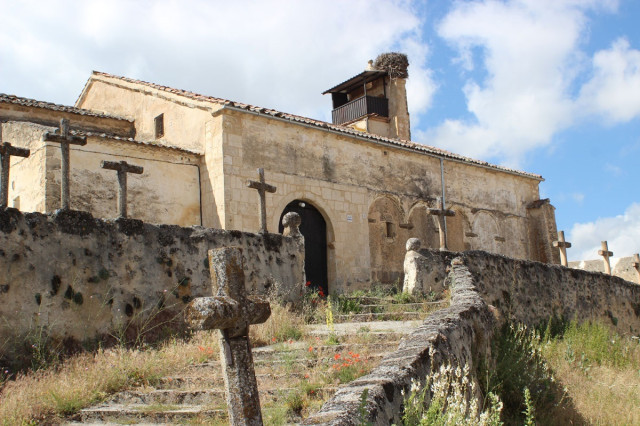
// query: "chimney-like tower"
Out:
[375,100]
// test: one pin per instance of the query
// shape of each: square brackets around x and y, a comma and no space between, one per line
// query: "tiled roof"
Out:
[12,99]
[426,149]
[131,140]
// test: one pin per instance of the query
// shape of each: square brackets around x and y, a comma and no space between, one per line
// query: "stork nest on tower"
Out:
[394,63]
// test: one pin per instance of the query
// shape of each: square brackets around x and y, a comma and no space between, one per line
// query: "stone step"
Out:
[214,380]
[379,316]
[395,307]
[368,300]
[271,352]
[201,397]
[158,414]
[295,360]
[369,329]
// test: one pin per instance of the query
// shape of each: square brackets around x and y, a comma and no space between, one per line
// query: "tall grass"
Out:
[600,371]
[48,395]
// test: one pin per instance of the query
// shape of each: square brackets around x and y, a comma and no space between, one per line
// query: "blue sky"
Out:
[547,86]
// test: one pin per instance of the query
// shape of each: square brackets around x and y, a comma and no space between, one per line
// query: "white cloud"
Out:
[278,53]
[530,50]
[614,89]
[622,233]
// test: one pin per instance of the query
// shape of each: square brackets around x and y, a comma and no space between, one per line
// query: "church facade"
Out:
[361,187]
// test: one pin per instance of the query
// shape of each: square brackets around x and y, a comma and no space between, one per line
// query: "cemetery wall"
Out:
[80,280]
[486,289]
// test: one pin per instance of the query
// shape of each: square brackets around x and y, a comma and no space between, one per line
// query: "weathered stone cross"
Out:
[63,137]
[6,151]
[606,254]
[563,246]
[442,213]
[231,311]
[262,189]
[122,167]
[636,264]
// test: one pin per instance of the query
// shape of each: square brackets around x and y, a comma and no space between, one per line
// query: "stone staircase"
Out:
[196,394]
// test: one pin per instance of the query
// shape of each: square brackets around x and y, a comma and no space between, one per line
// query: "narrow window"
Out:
[391,230]
[16,203]
[159,122]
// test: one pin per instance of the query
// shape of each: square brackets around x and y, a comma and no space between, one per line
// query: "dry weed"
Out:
[45,396]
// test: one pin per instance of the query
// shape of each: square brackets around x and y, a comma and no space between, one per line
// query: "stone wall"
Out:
[483,286]
[78,279]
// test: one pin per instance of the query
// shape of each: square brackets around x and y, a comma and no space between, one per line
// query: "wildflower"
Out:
[310,348]
[336,356]
[320,293]
[306,376]
[273,339]
[308,283]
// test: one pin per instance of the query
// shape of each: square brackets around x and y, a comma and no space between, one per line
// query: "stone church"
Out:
[361,186]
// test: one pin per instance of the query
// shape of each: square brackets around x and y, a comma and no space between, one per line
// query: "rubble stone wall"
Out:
[78,279]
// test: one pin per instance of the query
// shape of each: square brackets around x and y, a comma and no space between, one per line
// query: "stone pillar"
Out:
[415,268]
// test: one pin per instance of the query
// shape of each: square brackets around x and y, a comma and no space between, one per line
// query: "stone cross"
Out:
[636,264]
[122,168]
[606,254]
[6,151]
[442,213]
[231,311]
[262,189]
[563,246]
[63,137]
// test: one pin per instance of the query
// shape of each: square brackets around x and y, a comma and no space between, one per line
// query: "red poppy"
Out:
[308,284]
[321,293]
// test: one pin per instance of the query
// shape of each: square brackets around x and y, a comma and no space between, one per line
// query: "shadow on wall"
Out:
[80,281]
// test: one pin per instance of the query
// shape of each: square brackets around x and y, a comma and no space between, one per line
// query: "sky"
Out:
[546,86]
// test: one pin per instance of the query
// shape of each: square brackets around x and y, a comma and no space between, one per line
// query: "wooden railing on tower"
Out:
[359,108]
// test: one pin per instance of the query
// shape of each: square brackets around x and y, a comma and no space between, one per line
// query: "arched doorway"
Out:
[314,229]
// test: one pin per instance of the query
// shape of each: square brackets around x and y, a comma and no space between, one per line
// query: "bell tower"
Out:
[375,101]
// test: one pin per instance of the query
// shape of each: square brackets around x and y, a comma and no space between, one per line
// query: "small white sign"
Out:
[349,218]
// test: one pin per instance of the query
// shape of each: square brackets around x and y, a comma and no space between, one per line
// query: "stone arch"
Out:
[330,234]
[456,230]
[387,237]
[487,232]
[423,226]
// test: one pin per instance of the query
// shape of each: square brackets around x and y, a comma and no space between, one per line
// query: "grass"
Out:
[571,374]
[600,371]
[48,395]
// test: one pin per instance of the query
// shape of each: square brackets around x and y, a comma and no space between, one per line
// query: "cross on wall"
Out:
[606,254]
[562,245]
[122,167]
[63,137]
[442,213]
[262,187]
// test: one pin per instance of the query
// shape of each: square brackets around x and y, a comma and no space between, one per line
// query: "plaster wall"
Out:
[344,177]
[79,279]
[26,175]
[167,192]
[184,123]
